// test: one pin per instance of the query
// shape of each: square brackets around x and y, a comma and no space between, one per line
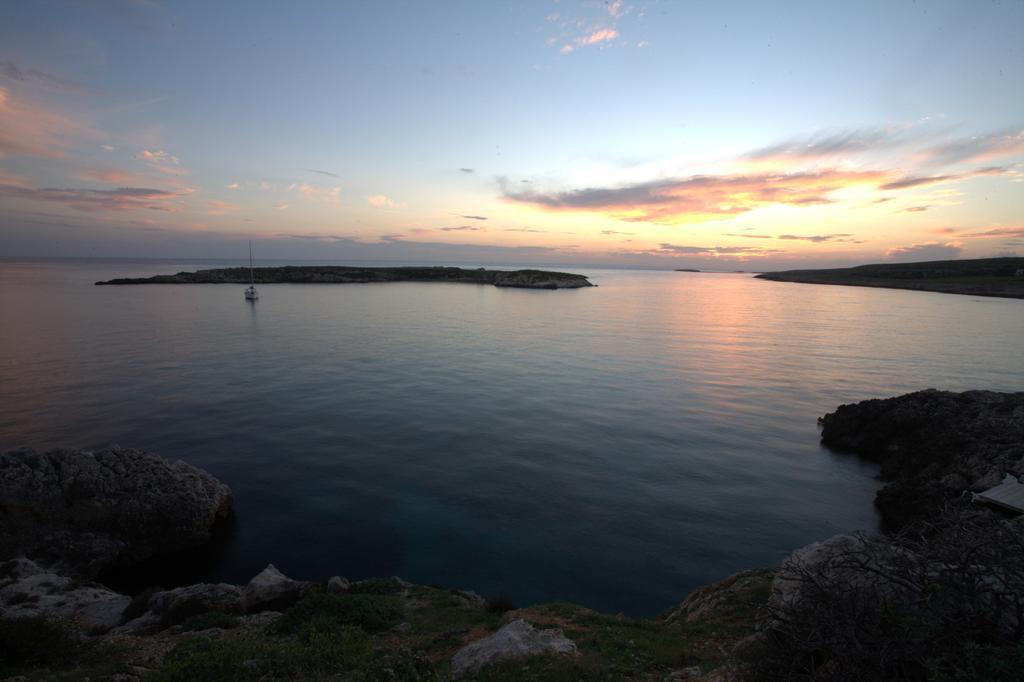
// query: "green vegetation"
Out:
[209,620]
[372,613]
[320,648]
[52,649]
[377,586]
[379,634]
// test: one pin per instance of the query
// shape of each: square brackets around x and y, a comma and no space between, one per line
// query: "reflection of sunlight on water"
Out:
[540,444]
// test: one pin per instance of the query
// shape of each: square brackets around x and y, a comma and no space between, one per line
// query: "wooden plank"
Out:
[1009,494]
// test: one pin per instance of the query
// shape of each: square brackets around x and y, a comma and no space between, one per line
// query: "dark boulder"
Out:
[932,445]
[84,511]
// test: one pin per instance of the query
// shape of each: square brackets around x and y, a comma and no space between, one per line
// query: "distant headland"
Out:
[335,274]
[1002,277]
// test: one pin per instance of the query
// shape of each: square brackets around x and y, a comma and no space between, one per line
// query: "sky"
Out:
[713,135]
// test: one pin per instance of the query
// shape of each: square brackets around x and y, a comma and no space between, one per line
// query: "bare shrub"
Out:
[940,600]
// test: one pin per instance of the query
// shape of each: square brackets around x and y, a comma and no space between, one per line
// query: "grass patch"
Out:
[37,641]
[372,613]
[320,648]
[376,586]
[208,620]
[30,644]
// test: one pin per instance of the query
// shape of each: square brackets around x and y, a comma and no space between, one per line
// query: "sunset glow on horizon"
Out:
[608,133]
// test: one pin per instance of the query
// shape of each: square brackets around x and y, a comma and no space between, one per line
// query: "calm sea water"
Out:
[614,446]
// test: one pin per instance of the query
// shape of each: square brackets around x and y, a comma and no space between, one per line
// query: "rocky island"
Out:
[938,595]
[337,274]
[1000,277]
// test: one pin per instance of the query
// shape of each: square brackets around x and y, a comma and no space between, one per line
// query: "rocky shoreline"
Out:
[932,446]
[826,613]
[333,274]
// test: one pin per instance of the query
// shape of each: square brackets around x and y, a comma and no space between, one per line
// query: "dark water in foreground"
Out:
[614,446]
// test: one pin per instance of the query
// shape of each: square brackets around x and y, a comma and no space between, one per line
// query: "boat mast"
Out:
[252,278]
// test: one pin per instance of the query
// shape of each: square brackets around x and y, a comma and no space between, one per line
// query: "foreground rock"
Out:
[718,600]
[28,590]
[331,274]
[171,607]
[932,446]
[518,639]
[82,511]
[272,590]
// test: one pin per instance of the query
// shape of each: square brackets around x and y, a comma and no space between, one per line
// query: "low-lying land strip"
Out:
[338,274]
[1000,277]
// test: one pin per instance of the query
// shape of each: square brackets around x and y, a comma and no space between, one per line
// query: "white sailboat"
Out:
[250,293]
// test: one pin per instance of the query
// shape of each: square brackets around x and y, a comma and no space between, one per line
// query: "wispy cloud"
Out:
[15,71]
[816,238]
[474,217]
[161,161]
[120,199]
[30,129]
[316,236]
[329,194]
[918,144]
[825,144]
[322,172]
[217,207]
[979,148]
[280,206]
[233,185]
[925,251]
[595,25]
[380,201]
[681,250]
[467,170]
[920,181]
[912,181]
[601,35]
[463,228]
[698,196]
[111,176]
[611,232]
[994,233]
[594,37]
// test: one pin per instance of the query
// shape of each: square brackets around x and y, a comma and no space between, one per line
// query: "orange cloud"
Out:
[599,36]
[379,201]
[699,197]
